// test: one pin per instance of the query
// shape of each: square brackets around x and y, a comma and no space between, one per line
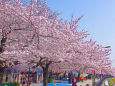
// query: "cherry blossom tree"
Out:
[7,21]
[90,56]
[35,34]
[98,56]
[44,39]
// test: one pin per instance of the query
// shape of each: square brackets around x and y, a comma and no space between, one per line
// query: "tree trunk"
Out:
[93,83]
[45,75]
[29,82]
[1,77]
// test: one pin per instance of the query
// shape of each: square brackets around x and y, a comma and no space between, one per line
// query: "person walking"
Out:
[23,80]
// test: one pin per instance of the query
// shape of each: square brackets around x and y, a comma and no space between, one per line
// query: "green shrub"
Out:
[11,84]
[53,77]
[49,80]
[16,83]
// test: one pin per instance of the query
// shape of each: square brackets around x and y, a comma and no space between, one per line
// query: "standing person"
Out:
[87,84]
[74,82]
[23,80]
[70,77]
[64,75]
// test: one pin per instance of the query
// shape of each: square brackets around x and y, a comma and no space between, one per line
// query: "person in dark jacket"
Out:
[74,82]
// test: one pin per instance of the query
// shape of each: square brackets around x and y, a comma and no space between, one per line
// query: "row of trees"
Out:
[31,33]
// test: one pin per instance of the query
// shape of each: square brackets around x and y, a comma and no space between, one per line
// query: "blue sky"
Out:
[98,20]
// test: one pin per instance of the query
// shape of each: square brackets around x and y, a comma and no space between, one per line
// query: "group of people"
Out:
[74,82]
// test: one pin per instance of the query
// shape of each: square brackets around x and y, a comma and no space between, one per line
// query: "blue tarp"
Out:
[58,85]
